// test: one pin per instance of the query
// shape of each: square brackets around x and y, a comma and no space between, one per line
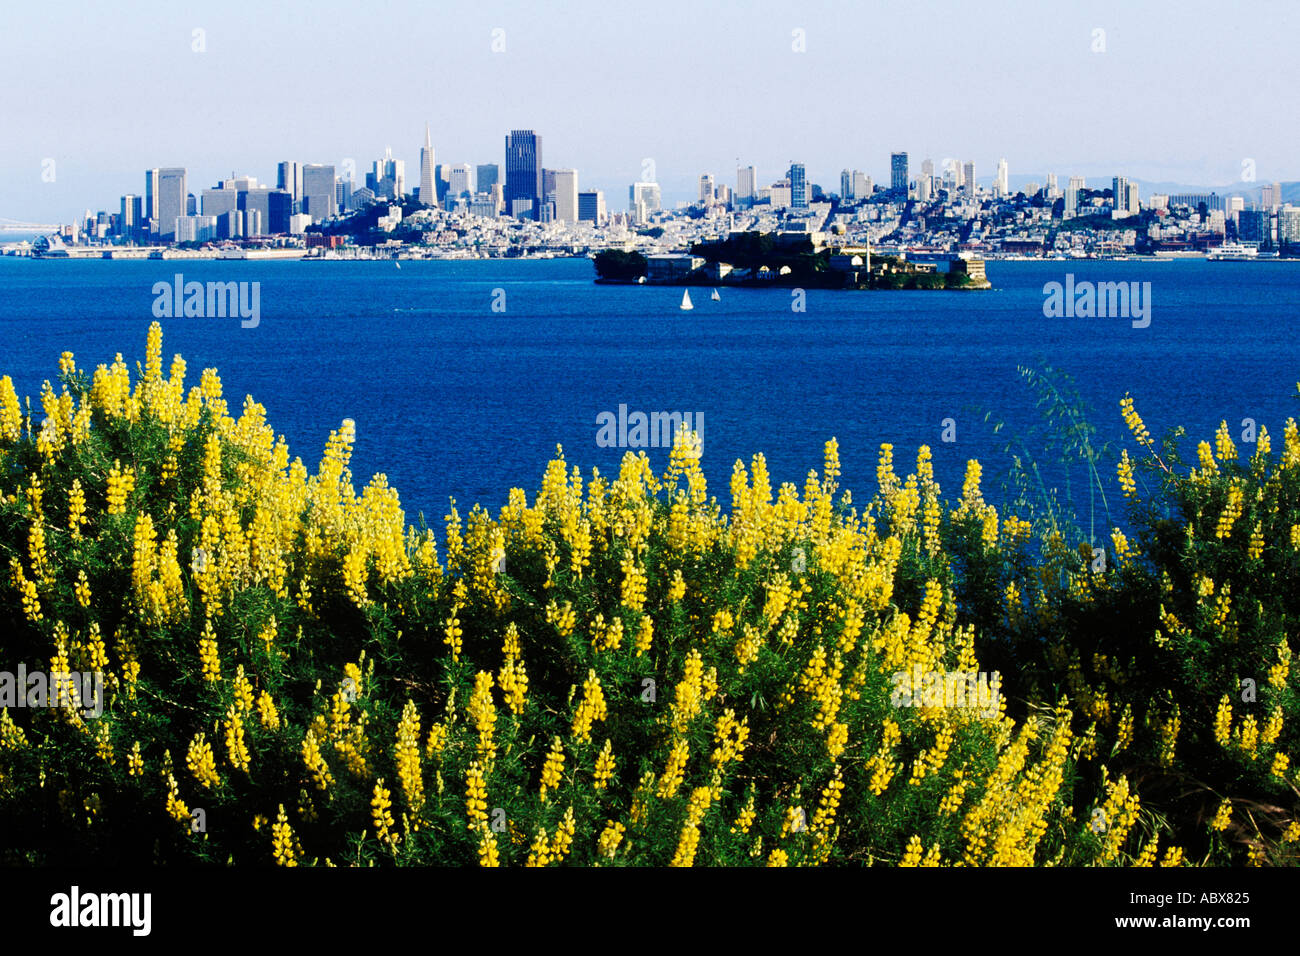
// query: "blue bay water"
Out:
[452,399]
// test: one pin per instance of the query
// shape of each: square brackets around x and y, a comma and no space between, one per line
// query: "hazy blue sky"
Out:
[1184,91]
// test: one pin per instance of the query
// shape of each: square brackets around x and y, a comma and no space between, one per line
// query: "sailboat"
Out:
[398,264]
[686,300]
[715,296]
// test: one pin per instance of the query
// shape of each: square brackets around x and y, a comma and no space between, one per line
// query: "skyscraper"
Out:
[288,176]
[459,180]
[216,203]
[132,212]
[968,178]
[427,194]
[1000,186]
[171,200]
[898,173]
[591,206]
[318,195]
[150,208]
[798,186]
[486,176]
[523,170]
[706,189]
[643,199]
[846,184]
[746,183]
[566,195]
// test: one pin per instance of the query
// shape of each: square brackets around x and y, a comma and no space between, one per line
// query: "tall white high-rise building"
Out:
[1050,188]
[968,178]
[318,193]
[1072,197]
[428,191]
[643,199]
[171,199]
[1000,186]
[566,195]
[460,180]
[706,189]
[746,183]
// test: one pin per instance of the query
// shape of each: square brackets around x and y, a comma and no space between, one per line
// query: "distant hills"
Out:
[1250,191]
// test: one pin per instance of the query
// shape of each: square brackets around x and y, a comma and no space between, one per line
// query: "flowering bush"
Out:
[615,672]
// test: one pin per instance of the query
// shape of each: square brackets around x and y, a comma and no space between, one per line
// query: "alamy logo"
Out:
[1086,299]
[215,300]
[64,689]
[132,910]
[656,430]
[922,688]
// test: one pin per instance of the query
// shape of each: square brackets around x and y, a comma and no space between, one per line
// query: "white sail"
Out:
[716,297]
[686,300]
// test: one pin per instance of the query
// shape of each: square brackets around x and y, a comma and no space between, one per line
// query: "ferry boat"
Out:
[1234,252]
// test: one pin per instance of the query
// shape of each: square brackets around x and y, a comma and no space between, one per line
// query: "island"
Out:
[788,260]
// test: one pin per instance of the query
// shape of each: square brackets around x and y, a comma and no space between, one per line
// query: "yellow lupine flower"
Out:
[1223,721]
[475,797]
[912,855]
[605,766]
[284,847]
[236,747]
[610,838]
[202,763]
[591,708]
[380,805]
[1222,817]
[267,712]
[553,768]
[1134,422]
[1280,762]
[487,849]
[407,756]
[120,485]
[674,769]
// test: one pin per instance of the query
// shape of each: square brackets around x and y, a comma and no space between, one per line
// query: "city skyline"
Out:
[240,92]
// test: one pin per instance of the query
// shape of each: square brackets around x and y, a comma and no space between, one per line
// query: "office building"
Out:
[1288,226]
[798,186]
[255,204]
[169,199]
[591,206]
[566,195]
[279,206]
[746,184]
[898,173]
[643,201]
[130,217]
[427,193]
[968,178]
[194,228]
[460,181]
[486,175]
[1000,185]
[318,197]
[523,170]
[288,176]
[706,189]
